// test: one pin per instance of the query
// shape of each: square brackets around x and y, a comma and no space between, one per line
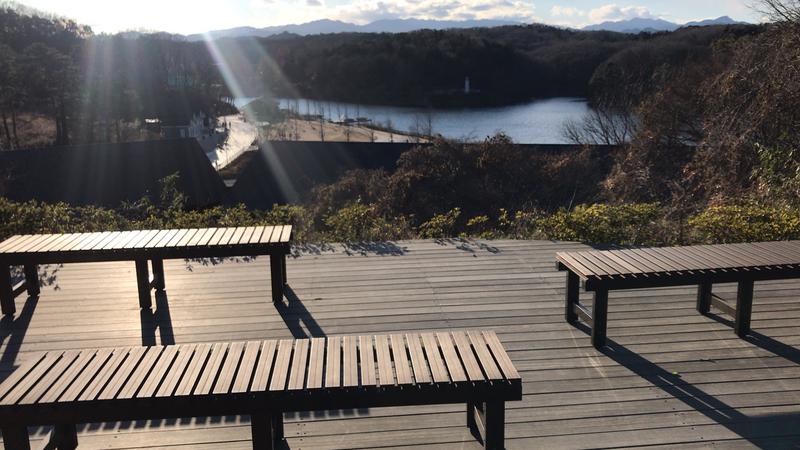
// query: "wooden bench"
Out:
[702,265]
[140,246]
[261,379]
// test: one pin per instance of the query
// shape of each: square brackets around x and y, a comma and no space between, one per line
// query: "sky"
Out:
[195,16]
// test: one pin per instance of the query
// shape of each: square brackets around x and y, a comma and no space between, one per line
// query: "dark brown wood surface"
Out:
[670,379]
[643,267]
[164,244]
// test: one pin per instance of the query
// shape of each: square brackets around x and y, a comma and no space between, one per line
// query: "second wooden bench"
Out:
[262,379]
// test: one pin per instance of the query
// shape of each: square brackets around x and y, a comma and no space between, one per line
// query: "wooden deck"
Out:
[669,378]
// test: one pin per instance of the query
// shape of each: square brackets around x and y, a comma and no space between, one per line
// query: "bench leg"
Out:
[573,284]
[704,297]
[143,283]
[744,307]
[63,437]
[495,415]
[471,423]
[261,429]
[283,266]
[158,274]
[6,291]
[276,275]
[32,279]
[600,318]
[16,438]
[277,426]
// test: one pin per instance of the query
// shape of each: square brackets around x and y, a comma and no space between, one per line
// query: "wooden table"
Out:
[701,265]
[262,379]
[140,246]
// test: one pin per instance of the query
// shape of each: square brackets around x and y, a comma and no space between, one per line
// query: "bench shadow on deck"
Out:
[669,377]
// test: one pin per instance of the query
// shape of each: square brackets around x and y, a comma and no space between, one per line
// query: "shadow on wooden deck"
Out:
[160,320]
[12,333]
[759,430]
[296,315]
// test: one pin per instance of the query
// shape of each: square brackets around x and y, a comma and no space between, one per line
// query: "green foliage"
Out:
[480,227]
[440,225]
[778,174]
[359,223]
[727,224]
[632,224]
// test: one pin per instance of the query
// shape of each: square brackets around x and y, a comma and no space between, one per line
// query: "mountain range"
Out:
[335,26]
[639,25]
[636,25]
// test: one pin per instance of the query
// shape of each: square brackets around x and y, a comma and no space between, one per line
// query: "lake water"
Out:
[534,122]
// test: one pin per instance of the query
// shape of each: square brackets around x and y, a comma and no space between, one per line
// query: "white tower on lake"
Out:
[466,85]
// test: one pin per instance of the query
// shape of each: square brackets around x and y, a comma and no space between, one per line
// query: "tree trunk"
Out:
[64,122]
[14,127]
[8,132]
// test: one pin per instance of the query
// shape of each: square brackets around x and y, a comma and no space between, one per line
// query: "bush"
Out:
[359,222]
[727,224]
[634,224]
[440,225]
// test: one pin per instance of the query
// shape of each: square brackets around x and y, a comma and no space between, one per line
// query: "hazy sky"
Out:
[192,16]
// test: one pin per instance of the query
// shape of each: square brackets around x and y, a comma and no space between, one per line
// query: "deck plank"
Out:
[671,379]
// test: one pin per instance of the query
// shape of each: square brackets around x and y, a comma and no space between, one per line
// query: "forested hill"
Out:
[60,83]
[507,64]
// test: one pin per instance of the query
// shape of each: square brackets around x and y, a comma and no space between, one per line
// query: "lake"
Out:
[534,122]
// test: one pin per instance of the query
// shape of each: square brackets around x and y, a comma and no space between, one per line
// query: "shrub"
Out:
[727,224]
[440,225]
[360,222]
[632,224]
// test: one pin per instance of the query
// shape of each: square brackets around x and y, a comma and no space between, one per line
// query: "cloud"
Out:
[314,2]
[615,13]
[364,11]
[566,11]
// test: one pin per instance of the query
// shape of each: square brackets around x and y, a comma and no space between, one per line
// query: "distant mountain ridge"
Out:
[336,26]
[647,25]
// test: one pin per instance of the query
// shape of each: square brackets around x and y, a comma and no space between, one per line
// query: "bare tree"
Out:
[781,10]
[602,126]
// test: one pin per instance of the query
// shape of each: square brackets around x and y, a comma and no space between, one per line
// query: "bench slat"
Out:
[385,375]
[286,235]
[350,361]
[434,358]
[122,374]
[47,381]
[400,355]
[91,372]
[256,237]
[367,357]
[158,374]
[20,373]
[10,242]
[60,387]
[467,355]
[418,364]
[264,368]
[316,364]
[176,371]
[297,374]
[264,239]
[333,363]
[32,377]
[213,241]
[226,375]
[281,372]
[500,355]
[247,367]
[484,356]
[206,381]
[194,371]
[138,377]
[451,359]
